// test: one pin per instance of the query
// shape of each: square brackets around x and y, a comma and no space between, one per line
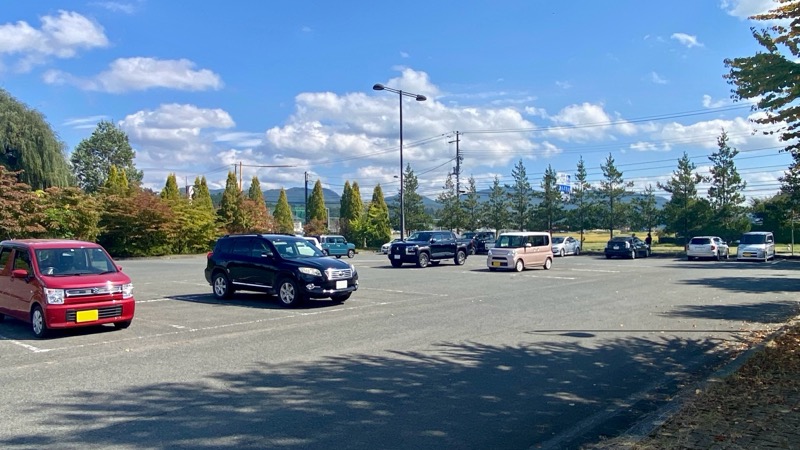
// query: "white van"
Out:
[521,249]
[756,245]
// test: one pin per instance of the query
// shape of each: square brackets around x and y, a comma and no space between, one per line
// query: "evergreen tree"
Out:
[645,212]
[283,214]
[551,208]
[356,203]
[612,188]
[171,191]
[450,212]
[790,190]
[684,213]
[93,157]
[255,193]
[770,77]
[258,216]
[581,198]
[201,197]
[495,210]
[471,207]
[116,183]
[345,212]
[316,205]
[377,229]
[725,192]
[29,145]
[519,197]
[415,216]
[229,215]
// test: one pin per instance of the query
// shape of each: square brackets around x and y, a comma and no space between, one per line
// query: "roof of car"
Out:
[758,232]
[524,233]
[50,243]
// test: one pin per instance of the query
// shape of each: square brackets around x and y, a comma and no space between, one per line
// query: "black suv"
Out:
[627,247]
[287,266]
[425,247]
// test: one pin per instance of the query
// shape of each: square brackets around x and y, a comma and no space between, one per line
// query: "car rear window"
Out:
[753,239]
[700,241]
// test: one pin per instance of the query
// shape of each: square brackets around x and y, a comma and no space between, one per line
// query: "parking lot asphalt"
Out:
[442,357]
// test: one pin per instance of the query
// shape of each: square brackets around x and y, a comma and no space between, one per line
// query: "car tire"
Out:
[562,253]
[519,266]
[38,323]
[633,254]
[338,256]
[340,298]
[548,263]
[396,263]
[717,257]
[460,258]
[289,293]
[221,286]
[422,260]
[351,253]
[577,251]
[728,255]
[608,256]
[122,325]
[472,251]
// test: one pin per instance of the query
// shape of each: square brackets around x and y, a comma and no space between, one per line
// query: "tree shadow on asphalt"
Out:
[256,300]
[465,395]
[766,312]
[749,285]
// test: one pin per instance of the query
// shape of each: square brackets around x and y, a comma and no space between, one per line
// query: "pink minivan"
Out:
[56,283]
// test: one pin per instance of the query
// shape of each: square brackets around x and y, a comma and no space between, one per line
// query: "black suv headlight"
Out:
[310,271]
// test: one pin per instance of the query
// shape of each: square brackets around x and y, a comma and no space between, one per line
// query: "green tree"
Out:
[283,214]
[229,214]
[21,214]
[255,208]
[684,213]
[353,221]
[29,145]
[171,191]
[644,209]
[116,183]
[316,205]
[725,192]
[551,206]
[139,225]
[495,210]
[376,228]
[790,190]
[415,216]
[71,214]
[770,77]
[450,214]
[201,196]
[93,157]
[519,197]
[580,197]
[471,207]
[612,188]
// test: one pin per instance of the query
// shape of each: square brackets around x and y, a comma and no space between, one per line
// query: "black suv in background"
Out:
[424,247]
[627,247]
[290,267]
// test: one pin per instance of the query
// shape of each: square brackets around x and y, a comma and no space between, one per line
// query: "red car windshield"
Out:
[73,261]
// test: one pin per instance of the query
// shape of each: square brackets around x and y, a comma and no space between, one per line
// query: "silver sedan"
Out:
[566,245]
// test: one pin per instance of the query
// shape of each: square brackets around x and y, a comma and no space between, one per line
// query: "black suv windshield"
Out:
[296,248]
[420,237]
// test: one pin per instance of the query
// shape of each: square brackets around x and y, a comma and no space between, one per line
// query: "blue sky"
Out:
[202,86]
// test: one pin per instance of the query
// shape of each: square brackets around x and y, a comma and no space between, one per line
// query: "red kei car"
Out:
[61,284]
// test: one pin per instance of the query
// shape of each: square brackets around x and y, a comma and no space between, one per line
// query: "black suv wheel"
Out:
[288,293]
[221,286]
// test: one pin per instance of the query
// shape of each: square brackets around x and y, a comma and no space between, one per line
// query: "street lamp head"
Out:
[420,98]
[378,87]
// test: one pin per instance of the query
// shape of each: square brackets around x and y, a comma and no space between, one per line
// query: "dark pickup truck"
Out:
[428,247]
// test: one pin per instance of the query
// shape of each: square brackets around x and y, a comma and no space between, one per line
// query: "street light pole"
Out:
[419,98]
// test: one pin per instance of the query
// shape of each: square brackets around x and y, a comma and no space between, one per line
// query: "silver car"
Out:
[385,247]
[566,245]
[711,247]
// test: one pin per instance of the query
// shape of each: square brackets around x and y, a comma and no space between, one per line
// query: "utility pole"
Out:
[457,173]
[305,212]
[240,176]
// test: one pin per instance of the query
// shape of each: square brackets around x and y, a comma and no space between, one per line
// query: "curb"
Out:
[651,422]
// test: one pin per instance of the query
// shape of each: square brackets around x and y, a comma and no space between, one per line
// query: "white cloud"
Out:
[708,102]
[139,74]
[123,7]
[60,36]
[84,123]
[657,79]
[686,39]
[642,146]
[563,84]
[746,8]
[586,122]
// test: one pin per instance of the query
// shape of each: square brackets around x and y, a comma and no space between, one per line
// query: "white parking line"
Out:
[595,270]
[24,345]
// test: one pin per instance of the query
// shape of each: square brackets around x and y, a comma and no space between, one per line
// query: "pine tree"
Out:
[725,192]
[495,210]
[471,207]
[684,213]
[415,216]
[229,213]
[316,205]
[378,230]
[201,197]
[345,212]
[580,197]
[171,191]
[116,183]
[645,213]
[519,196]
[283,214]
[612,188]
[261,221]
[551,208]
[450,212]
